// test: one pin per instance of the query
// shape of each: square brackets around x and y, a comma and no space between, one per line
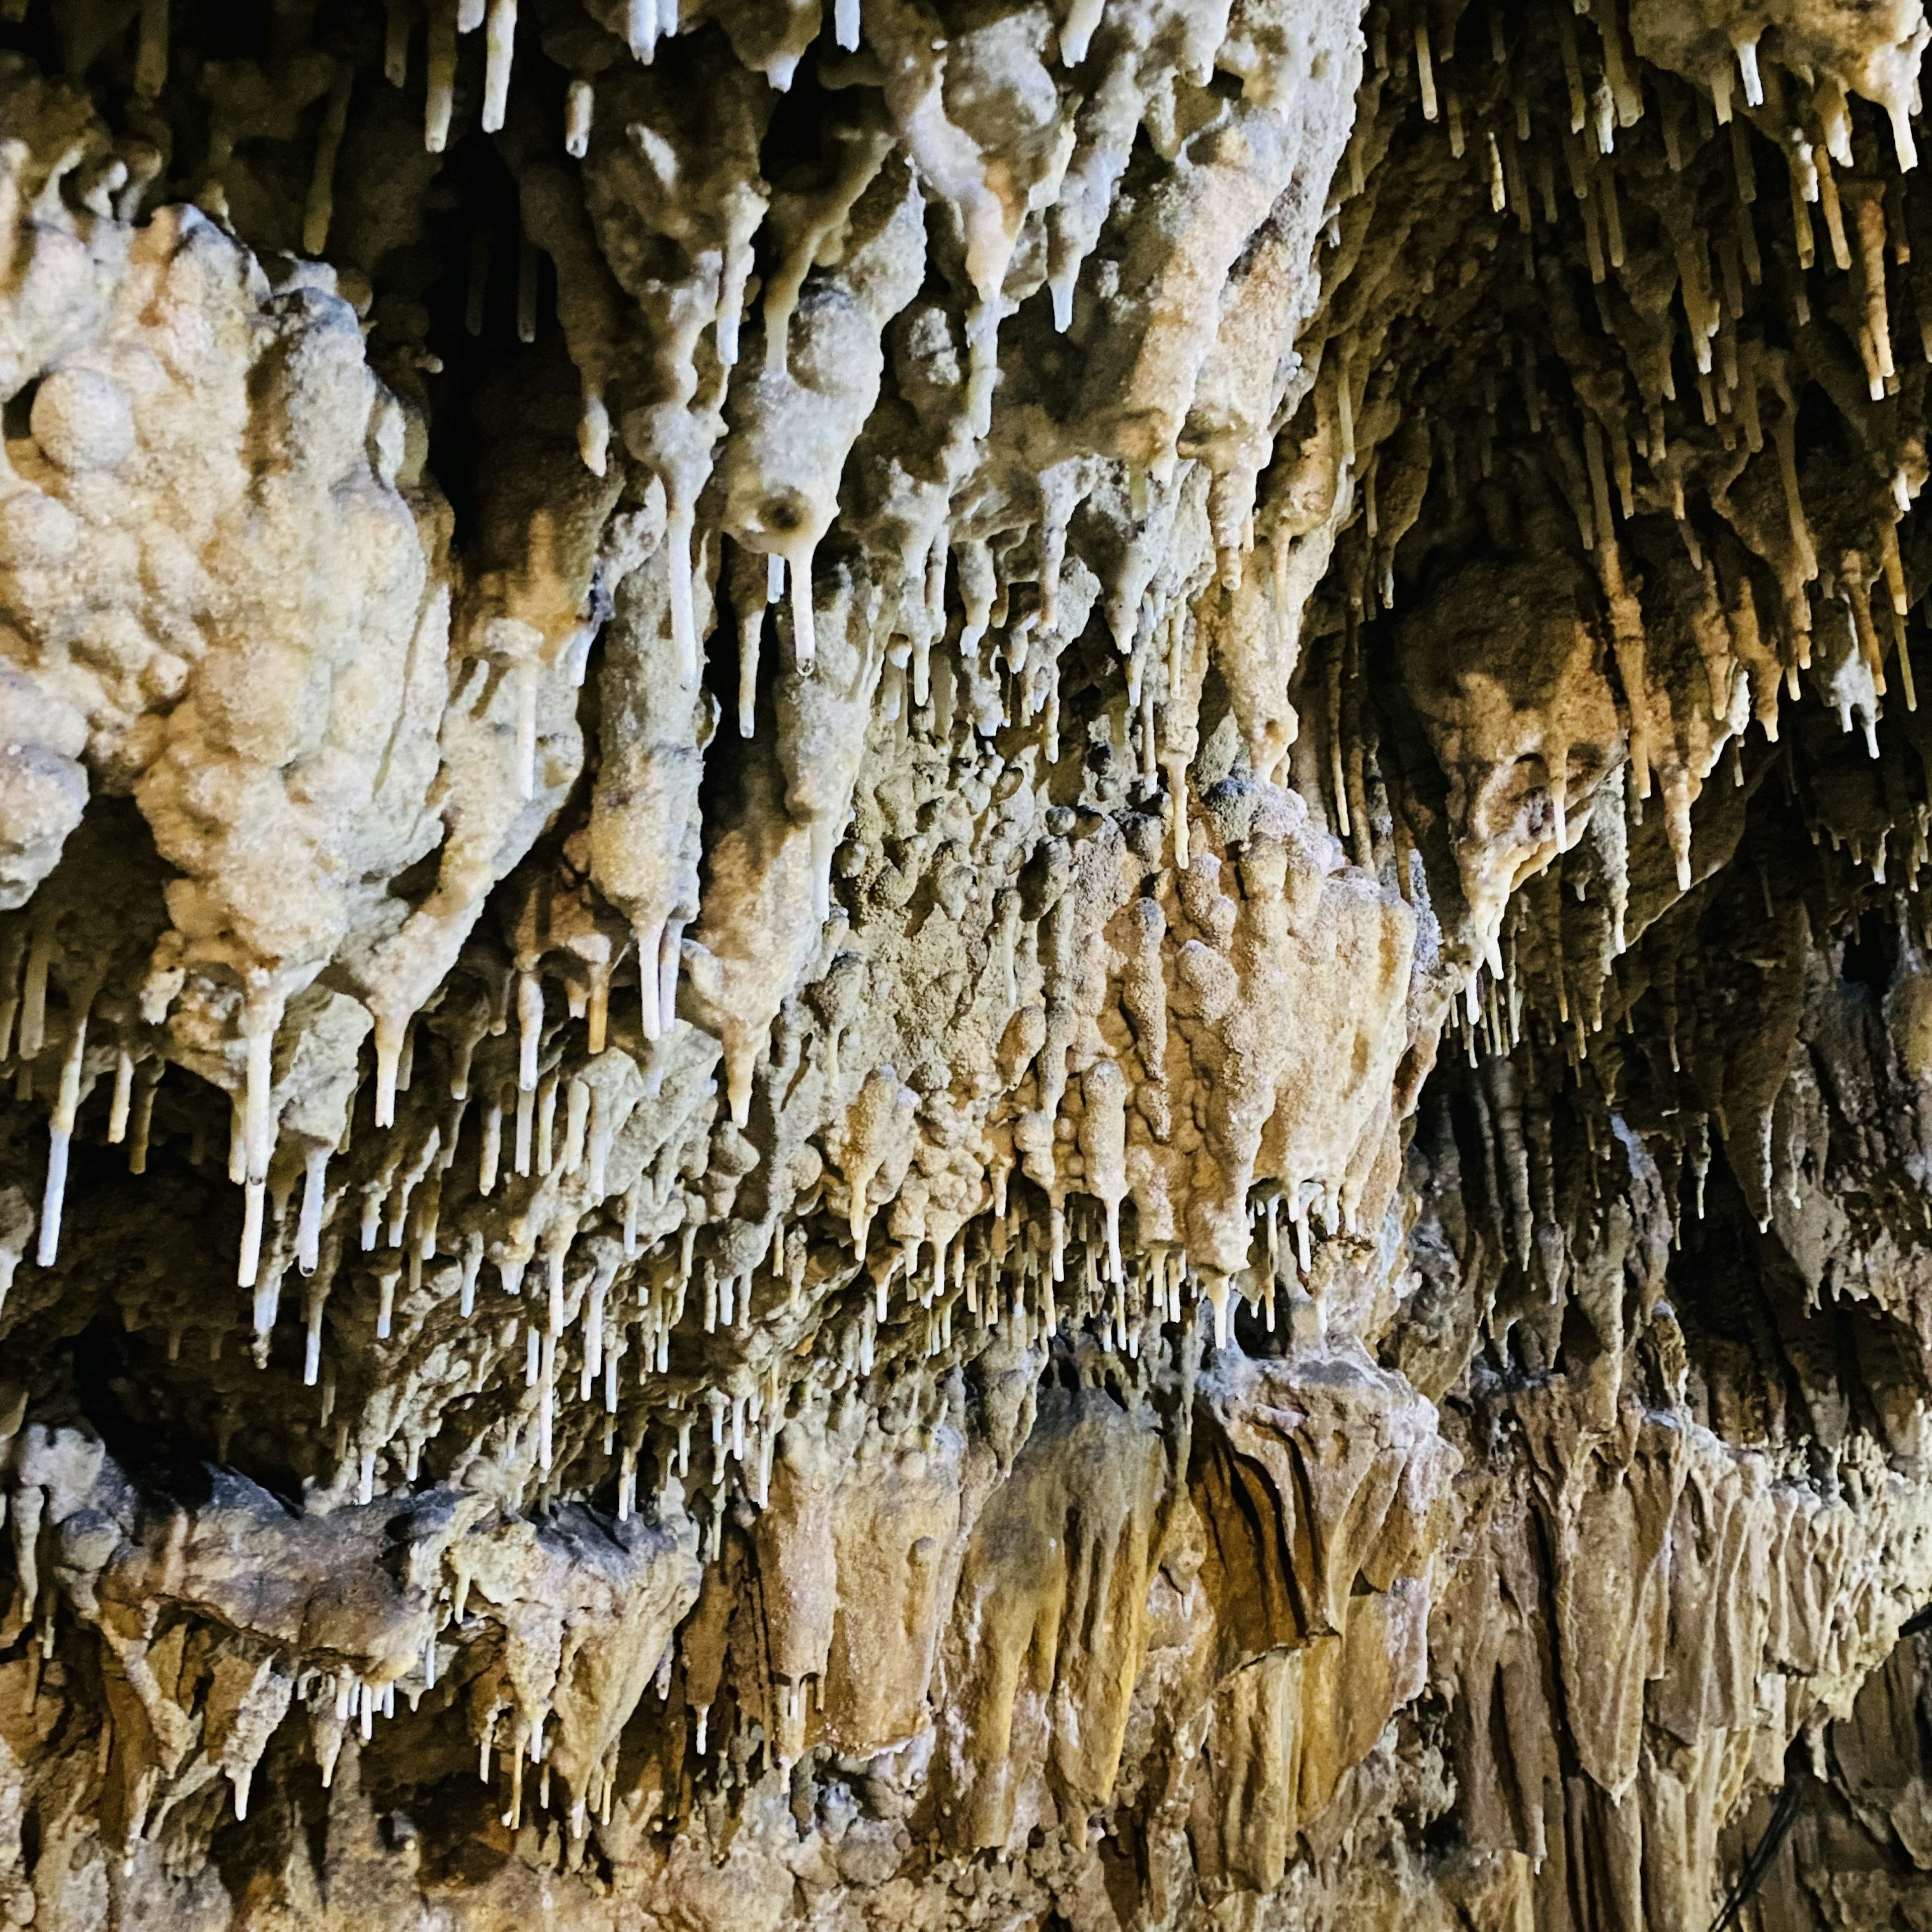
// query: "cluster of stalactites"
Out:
[568,1124]
[615,1306]
[1840,600]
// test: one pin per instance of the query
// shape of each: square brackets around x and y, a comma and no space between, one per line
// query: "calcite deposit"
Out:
[960,966]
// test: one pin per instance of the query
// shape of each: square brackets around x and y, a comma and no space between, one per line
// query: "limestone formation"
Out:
[960,966]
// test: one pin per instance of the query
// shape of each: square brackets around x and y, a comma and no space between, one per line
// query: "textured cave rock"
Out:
[962,966]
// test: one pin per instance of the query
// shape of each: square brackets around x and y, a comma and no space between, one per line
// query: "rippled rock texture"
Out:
[960,966]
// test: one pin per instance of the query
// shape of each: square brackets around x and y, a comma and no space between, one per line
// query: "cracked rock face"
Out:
[960,966]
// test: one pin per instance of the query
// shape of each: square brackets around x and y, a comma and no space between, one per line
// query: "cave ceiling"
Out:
[962,966]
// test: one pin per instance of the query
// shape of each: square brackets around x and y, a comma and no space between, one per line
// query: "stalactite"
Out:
[1331,587]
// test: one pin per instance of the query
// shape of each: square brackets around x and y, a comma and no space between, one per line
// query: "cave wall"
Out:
[961,967]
